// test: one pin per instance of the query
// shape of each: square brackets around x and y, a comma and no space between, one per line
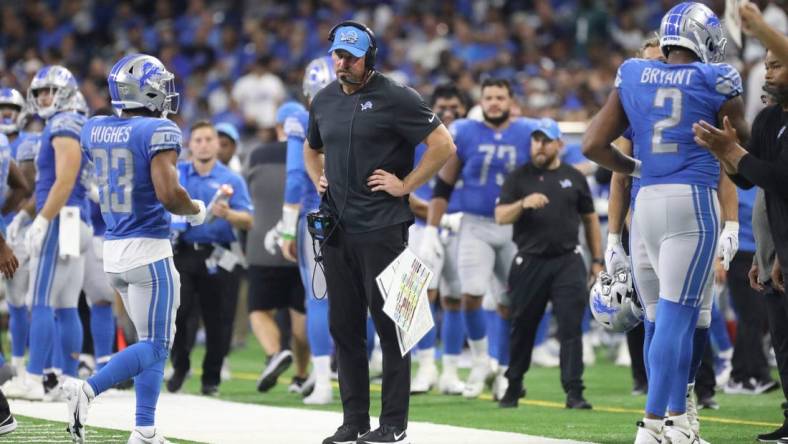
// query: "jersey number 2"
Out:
[117,164]
[663,94]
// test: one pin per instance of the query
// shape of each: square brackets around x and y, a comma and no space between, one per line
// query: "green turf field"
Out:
[739,419]
[33,430]
[541,412]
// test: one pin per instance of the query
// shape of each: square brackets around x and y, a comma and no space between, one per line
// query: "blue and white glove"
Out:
[199,218]
[728,244]
[35,235]
[615,257]
[273,238]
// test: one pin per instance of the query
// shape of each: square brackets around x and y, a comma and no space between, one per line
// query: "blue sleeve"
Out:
[295,188]
[165,136]
[84,138]
[28,148]
[623,72]
[240,199]
[66,125]
[573,155]
[456,134]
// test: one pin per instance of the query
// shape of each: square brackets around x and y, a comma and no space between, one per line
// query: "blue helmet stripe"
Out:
[675,19]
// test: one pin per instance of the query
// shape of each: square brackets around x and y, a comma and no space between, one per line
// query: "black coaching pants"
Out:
[749,360]
[777,311]
[533,281]
[215,296]
[352,262]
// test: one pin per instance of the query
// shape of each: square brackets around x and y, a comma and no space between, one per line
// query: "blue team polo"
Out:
[204,188]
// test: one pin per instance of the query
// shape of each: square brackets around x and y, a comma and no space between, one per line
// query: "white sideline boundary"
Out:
[203,419]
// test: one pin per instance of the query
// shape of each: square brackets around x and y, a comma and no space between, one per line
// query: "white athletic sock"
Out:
[18,362]
[146,431]
[450,363]
[426,357]
[478,348]
[322,369]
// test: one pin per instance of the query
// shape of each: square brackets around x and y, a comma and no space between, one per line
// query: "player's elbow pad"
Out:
[442,189]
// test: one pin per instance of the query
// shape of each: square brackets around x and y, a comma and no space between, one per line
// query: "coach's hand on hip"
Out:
[381,180]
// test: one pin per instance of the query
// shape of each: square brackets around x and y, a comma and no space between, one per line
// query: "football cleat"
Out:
[425,380]
[450,384]
[648,434]
[678,431]
[24,386]
[475,384]
[322,394]
[138,438]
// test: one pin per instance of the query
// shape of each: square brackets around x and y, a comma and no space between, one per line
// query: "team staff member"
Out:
[546,200]
[367,126]
[208,244]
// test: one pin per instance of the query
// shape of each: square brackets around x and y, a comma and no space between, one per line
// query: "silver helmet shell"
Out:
[60,83]
[10,97]
[142,81]
[613,303]
[319,73]
[695,27]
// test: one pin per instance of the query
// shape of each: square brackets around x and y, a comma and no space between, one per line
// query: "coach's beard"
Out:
[779,93]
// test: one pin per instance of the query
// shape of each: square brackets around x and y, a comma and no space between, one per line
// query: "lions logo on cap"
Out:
[350,37]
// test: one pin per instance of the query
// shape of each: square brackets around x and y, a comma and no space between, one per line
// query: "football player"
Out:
[486,152]
[134,156]
[678,216]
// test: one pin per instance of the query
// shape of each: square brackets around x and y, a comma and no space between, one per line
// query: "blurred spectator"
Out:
[259,93]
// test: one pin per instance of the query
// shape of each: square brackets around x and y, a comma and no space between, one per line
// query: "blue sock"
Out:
[543,329]
[452,332]
[126,364]
[147,386]
[474,324]
[669,357]
[370,337]
[42,330]
[719,331]
[649,327]
[18,325]
[492,327]
[102,329]
[586,321]
[504,332]
[428,341]
[70,327]
[317,326]
[699,341]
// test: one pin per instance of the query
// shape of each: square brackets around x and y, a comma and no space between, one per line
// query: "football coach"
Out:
[359,152]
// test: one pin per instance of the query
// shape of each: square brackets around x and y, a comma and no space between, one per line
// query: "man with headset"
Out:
[367,126]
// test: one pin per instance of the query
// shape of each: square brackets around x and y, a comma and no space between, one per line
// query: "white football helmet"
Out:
[613,302]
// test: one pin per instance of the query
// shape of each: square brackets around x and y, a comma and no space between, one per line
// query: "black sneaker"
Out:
[278,364]
[708,402]
[784,405]
[511,398]
[775,436]
[384,434]
[50,382]
[296,385]
[8,424]
[639,388]
[766,386]
[577,402]
[209,390]
[346,434]
[175,382]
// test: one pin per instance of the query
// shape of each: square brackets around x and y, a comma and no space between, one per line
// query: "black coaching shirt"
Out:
[551,230]
[766,166]
[376,127]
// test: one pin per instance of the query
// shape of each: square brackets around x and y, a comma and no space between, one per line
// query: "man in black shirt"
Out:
[367,126]
[764,164]
[546,201]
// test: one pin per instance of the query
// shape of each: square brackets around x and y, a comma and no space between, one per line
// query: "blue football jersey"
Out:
[25,147]
[122,150]
[65,124]
[487,157]
[5,162]
[662,101]
[299,188]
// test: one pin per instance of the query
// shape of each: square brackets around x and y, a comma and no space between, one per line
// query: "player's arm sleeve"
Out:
[295,186]
[240,201]
[313,133]
[727,82]
[585,202]
[66,126]
[510,191]
[165,136]
[414,120]
[771,176]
